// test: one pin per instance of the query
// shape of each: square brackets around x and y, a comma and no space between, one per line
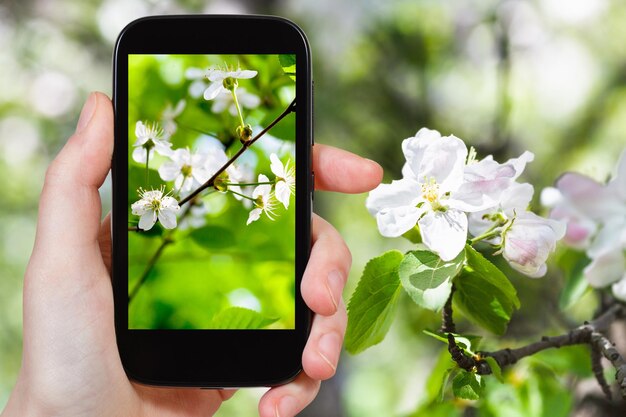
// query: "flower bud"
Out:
[529,241]
[244,133]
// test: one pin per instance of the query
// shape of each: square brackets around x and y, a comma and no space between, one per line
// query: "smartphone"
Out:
[212,196]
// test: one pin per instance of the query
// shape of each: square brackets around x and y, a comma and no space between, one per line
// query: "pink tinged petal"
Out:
[617,184]
[400,193]
[516,198]
[255,215]
[519,164]
[580,229]
[606,268]
[213,90]
[445,233]
[395,221]
[444,160]
[529,242]
[283,193]
[167,218]
[414,148]
[619,288]
[588,196]
[147,220]
[169,170]
[196,88]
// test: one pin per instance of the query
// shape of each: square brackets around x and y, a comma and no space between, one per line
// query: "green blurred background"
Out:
[548,76]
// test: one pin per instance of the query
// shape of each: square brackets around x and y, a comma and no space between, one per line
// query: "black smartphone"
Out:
[212,196]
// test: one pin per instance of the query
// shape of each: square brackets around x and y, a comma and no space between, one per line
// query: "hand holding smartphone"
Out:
[212,194]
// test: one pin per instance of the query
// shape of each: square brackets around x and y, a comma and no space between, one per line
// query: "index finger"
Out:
[343,171]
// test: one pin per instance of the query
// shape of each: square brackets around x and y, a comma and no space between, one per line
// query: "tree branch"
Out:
[590,333]
[447,321]
[244,147]
[598,370]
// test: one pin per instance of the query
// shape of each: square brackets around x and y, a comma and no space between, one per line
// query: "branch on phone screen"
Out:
[191,198]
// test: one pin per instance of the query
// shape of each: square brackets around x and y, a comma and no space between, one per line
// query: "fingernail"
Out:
[327,348]
[287,407]
[335,286]
[89,108]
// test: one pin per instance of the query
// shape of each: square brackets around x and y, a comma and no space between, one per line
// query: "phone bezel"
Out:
[211,358]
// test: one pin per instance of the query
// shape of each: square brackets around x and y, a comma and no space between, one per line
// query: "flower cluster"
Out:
[449,195]
[595,214]
[188,170]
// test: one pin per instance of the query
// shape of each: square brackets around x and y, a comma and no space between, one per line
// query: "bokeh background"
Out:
[549,76]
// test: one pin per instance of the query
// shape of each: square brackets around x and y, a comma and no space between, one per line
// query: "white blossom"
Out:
[196,217]
[528,242]
[263,202]
[149,138]
[218,78]
[199,81]
[224,100]
[285,179]
[154,205]
[431,194]
[187,170]
[169,115]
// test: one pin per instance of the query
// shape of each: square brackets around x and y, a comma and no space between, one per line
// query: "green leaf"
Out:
[495,368]
[288,62]
[576,284]
[240,318]
[484,294]
[468,385]
[371,307]
[427,278]
[213,237]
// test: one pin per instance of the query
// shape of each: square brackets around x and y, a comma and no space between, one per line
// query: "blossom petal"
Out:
[243,74]
[139,208]
[196,88]
[399,193]
[395,221]
[213,90]
[445,233]
[255,215]
[277,166]
[167,217]
[606,268]
[194,73]
[414,148]
[444,160]
[283,193]
[619,289]
[169,170]
[147,220]
[140,153]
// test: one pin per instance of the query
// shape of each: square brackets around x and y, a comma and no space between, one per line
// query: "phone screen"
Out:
[211,183]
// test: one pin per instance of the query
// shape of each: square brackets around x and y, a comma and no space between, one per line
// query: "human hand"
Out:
[70,364]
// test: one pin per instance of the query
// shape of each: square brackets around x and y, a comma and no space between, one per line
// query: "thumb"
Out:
[69,207]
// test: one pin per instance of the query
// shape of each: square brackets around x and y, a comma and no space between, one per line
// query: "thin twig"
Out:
[244,147]
[447,321]
[166,241]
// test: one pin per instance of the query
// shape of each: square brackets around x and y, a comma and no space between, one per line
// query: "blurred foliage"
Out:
[225,263]
[548,76]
